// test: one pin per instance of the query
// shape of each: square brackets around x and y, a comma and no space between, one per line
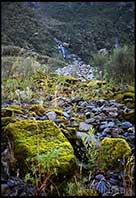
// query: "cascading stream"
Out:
[76,67]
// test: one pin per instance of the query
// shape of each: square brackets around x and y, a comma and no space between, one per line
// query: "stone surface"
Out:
[52,115]
[83,126]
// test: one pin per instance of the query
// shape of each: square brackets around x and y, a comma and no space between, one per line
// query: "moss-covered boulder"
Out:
[32,137]
[6,120]
[112,150]
[38,109]
[11,110]
[129,116]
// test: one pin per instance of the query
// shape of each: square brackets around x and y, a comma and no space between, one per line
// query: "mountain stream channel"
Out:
[102,114]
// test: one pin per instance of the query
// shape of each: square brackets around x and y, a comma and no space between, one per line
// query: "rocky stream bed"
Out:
[89,121]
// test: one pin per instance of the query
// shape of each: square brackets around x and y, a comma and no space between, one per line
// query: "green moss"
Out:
[129,116]
[9,111]
[58,111]
[72,80]
[118,97]
[32,137]
[6,120]
[69,132]
[131,88]
[38,109]
[128,95]
[32,114]
[78,188]
[111,151]
[99,83]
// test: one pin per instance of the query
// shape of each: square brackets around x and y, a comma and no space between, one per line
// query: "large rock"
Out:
[112,151]
[32,137]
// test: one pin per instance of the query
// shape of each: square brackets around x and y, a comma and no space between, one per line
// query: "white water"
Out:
[76,67]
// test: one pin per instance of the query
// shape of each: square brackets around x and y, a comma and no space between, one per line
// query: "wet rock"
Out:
[131,130]
[107,130]
[103,133]
[57,121]
[76,99]
[66,115]
[96,110]
[111,124]
[102,186]
[112,181]
[83,126]
[90,121]
[99,177]
[113,114]
[52,115]
[110,109]
[114,134]
[101,102]
[41,117]
[126,125]
[83,104]
[88,115]
[106,125]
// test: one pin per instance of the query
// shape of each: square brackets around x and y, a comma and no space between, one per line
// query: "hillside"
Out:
[89,27]
[21,27]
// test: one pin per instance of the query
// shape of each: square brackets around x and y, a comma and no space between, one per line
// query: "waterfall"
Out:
[116,43]
[61,48]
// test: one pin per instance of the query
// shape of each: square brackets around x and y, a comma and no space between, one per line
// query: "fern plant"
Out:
[91,145]
[43,166]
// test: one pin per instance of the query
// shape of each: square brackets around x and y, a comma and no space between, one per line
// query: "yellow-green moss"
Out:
[131,88]
[121,97]
[118,97]
[78,188]
[111,151]
[71,79]
[69,132]
[38,109]
[9,111]
[58,111]
[6,120]
[93,83]
[129,116]
[30,137]
[128,95]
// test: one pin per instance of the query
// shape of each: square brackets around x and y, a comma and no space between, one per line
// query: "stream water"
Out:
[76,67]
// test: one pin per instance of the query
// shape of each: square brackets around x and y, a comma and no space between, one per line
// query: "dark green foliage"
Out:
[118,66]
[90,27]
[21,27]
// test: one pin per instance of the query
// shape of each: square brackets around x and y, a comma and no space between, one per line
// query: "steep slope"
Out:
[21,27]
[90,26]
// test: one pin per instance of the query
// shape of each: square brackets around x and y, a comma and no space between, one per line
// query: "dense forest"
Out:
[68,74]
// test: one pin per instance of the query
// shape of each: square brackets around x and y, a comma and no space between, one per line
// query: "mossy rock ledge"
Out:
[112,150]
[31,137]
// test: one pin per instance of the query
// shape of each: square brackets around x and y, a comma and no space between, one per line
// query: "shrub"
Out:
[117,66]
[121,65]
